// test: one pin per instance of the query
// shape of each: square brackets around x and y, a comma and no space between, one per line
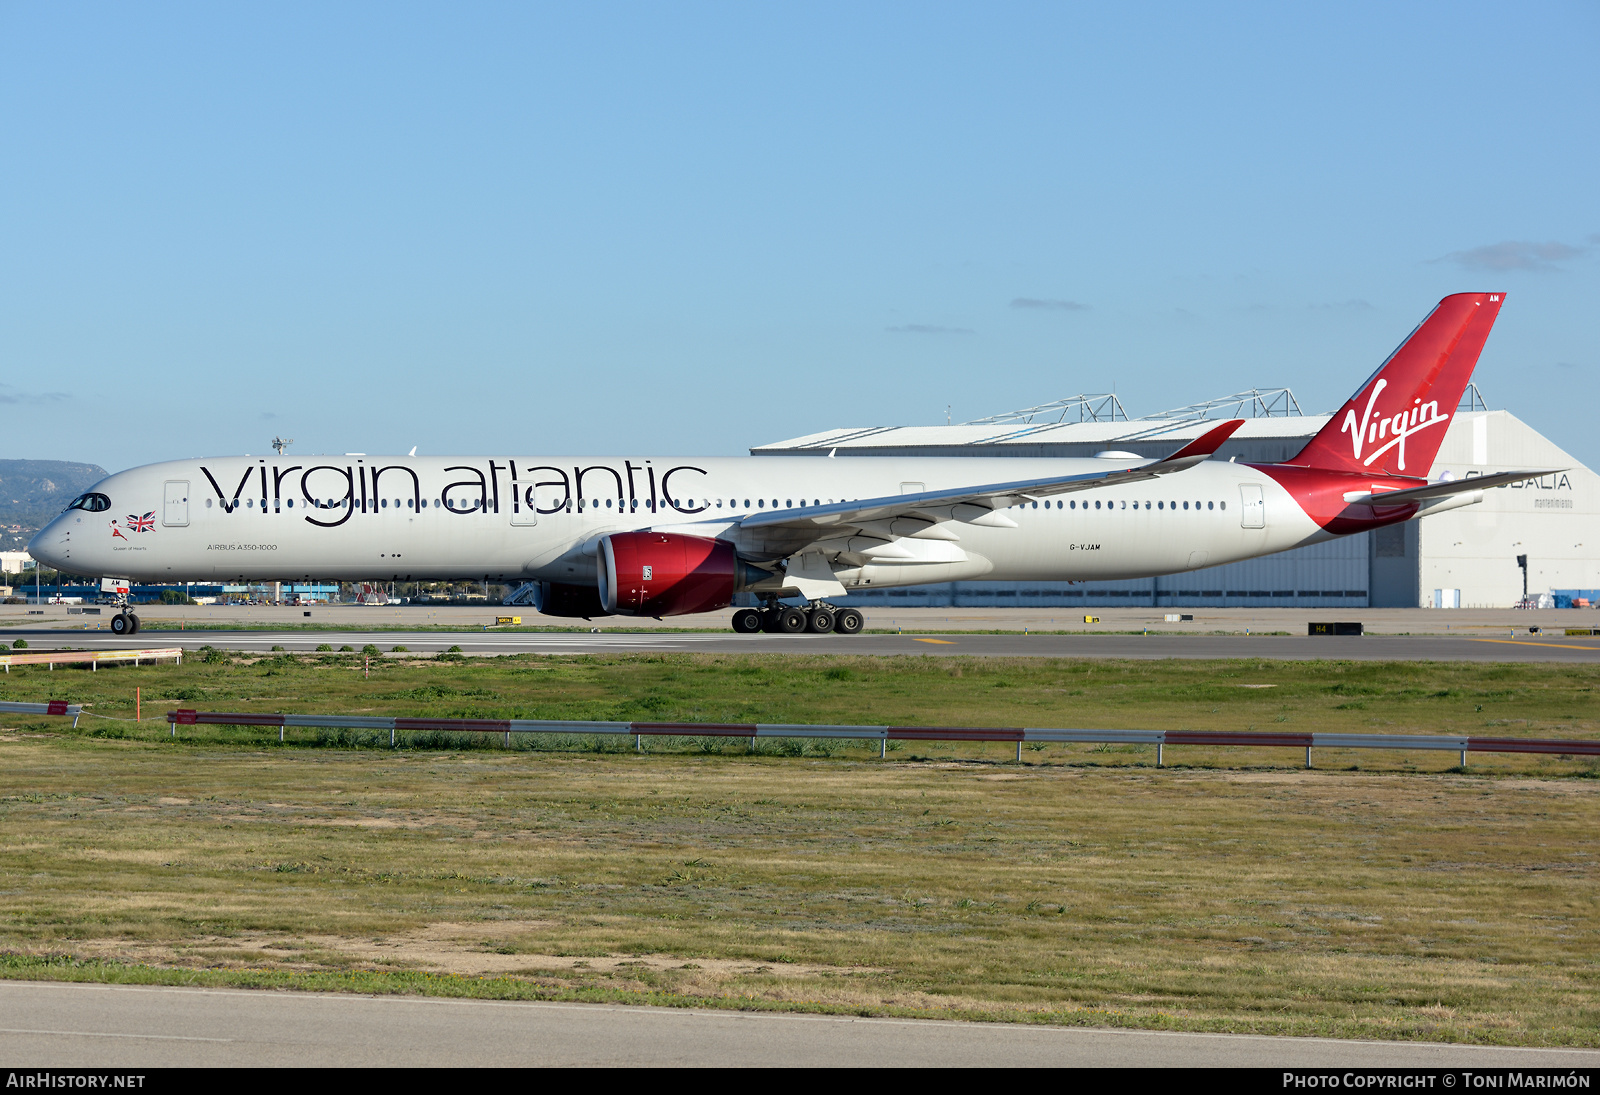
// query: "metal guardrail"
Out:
[885,734]
[95,658]
[54,707]
[882,734]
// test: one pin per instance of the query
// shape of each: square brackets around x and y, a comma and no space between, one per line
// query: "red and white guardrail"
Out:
[95,658]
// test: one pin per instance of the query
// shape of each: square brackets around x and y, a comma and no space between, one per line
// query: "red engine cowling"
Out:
[664,574]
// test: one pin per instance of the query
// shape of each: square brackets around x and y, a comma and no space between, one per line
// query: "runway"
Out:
[120,1026]
[1466,648]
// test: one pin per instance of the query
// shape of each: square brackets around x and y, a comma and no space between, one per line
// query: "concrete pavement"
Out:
[114,1026]
[1465,648]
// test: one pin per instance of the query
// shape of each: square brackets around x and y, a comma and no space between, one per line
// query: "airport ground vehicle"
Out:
[653,536]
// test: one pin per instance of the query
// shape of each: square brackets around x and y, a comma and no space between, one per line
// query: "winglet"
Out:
[1207,443]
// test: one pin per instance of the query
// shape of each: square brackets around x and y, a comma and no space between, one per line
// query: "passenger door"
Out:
[524,504]
[175,504]
[1253,511]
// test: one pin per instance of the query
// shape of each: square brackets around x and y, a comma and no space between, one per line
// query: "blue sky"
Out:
[692,228]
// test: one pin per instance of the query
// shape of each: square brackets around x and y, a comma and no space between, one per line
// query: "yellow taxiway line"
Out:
[1526,642]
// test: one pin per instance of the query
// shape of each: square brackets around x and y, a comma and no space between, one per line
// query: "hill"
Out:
[34,491]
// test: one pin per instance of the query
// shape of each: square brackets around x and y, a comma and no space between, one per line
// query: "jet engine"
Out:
[560,599]
[666,574]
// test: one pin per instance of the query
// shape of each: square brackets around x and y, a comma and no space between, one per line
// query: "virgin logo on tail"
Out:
[1427,372]
[1371,430]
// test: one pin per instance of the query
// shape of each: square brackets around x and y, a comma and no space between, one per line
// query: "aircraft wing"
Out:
[977,503]
[1441,490]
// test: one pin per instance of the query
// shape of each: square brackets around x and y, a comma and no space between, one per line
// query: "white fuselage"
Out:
[516,519]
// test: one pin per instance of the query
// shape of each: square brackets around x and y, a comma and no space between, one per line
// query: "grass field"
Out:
[1380,896]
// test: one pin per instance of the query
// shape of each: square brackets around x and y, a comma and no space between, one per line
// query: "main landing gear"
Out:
[125,623]
[817,618]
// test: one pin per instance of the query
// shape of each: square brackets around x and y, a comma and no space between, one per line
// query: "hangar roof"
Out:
[1050,433]
[1085,423]
[1270,413]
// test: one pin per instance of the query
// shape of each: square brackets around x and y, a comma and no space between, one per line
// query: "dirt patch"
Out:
[467,949]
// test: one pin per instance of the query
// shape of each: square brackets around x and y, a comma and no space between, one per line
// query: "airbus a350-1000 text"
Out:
[654,536]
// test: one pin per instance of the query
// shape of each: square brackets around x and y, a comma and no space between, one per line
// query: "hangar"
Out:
[1464,558]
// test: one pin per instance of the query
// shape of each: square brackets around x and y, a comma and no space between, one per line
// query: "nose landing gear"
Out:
[124,622]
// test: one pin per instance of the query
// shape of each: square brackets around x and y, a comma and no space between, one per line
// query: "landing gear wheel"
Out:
[820,621]
[847,621]
[747,621]
[789,621]
[120,624]
[134,620]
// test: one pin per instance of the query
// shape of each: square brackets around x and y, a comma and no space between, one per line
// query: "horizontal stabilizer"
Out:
[1441,490]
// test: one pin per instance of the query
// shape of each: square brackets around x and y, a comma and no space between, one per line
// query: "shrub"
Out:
[346,649]
[278,648]
[397,649]
[453,650]
[20,644]
[371,651]
[323,648]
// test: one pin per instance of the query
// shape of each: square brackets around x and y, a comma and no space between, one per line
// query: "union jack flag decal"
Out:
[142,524]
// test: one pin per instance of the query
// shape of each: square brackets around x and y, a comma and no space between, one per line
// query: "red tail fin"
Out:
[1394,423]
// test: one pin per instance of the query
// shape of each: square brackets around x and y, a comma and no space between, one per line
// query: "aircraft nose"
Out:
[52,545]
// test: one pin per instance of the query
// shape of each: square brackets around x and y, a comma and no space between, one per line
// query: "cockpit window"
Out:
[94,503]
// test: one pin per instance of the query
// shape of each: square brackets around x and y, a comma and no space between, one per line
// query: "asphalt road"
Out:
[1536,648]
[119,1026]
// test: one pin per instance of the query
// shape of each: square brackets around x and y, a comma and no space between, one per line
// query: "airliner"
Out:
[665,536]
